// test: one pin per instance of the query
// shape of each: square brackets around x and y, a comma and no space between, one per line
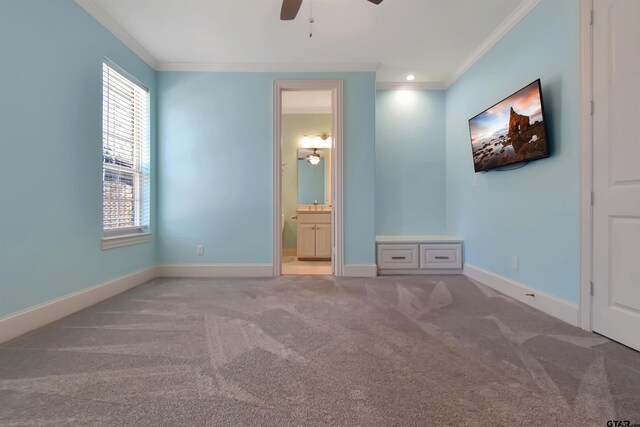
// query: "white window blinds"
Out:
[125,153]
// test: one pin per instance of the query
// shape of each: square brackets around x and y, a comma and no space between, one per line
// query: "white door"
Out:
[306,240]
[323,240]
[616,174]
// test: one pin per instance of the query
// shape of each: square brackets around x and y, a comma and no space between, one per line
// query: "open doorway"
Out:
[306,182]
[307,201]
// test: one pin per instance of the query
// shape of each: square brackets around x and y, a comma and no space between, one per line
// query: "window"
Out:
[125,159]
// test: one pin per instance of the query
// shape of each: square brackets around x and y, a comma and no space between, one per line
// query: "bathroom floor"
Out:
[291,265]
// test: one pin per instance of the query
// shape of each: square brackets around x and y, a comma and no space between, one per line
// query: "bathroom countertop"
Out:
[313,211]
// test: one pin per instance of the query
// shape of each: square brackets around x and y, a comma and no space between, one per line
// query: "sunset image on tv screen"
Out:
[511,131]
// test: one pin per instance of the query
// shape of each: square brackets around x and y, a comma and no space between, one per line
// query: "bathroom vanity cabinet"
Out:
[314,235]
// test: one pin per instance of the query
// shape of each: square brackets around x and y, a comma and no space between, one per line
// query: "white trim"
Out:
[277,180]
[427,238]
[215,270]
[586,163]
[257,67]
[112,26]
[306,110]
[337,191]
[546,303]
[32,318]
[360,270]
[418,272]
[111,242]
[493,38]
[336,87]
[411,85]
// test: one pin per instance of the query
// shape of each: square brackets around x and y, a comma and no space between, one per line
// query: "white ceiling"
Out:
[433,39]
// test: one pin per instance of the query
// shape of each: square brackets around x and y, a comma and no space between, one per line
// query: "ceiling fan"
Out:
[311,157]
[290,8]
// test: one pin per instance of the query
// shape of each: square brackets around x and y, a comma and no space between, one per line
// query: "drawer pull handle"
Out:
[398,257]
[442,257]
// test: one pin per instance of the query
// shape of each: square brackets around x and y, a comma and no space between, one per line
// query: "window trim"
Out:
[125,240]
[115,238]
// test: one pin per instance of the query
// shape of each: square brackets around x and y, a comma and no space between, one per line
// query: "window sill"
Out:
[125,240]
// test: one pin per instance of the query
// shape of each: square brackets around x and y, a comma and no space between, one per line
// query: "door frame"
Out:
[337,209]
[586,163]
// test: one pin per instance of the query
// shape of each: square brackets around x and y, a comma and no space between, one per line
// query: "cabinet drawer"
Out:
[314,218]
[398,256]
[441,256]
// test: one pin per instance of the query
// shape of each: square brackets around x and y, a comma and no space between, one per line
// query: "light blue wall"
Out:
[410,162]
[533,212]
[215,165]
[51,153]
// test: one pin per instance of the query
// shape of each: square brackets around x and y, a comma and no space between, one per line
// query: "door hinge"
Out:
[591,288]
[592,106]
[593,198]
[591,18]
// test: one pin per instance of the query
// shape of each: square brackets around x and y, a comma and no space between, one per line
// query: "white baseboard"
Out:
[215,270]
[418,272]
[360,270]
[19,323]
[546,303]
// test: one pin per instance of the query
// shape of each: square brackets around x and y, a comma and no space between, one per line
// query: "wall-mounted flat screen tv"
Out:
[512,131]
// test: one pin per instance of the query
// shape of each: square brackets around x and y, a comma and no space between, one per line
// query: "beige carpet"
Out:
[315,350]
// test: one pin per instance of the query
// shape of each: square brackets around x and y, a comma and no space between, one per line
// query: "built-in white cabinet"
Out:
[314,235]
[419,255]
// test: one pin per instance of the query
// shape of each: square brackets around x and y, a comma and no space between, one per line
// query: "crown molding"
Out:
[267,67]
[500,31]
[411,85]
[101,16]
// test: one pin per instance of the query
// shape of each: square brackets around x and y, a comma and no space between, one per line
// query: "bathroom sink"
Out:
[314,208]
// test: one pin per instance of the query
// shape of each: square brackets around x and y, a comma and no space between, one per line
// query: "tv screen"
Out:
[511,131]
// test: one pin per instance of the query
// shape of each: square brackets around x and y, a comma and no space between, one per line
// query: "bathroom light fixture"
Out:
[306,142]
[411,77]
[319,141]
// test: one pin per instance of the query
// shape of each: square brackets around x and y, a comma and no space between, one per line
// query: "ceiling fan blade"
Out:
[289,9]
[376,1]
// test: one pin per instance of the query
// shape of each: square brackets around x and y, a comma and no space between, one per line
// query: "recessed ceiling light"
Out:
[411,77]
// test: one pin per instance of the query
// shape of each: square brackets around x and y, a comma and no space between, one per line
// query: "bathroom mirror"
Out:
[314,176]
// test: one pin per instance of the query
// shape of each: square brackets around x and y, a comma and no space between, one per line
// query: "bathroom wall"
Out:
[294,127]
[51,153]
[533,212]
[410,162]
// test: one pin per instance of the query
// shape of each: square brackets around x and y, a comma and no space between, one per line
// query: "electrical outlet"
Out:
[200,250]
[514,262]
